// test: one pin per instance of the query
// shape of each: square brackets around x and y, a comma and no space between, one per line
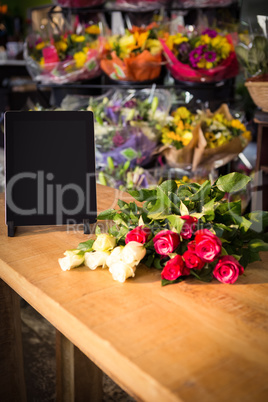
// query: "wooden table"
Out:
[185,342]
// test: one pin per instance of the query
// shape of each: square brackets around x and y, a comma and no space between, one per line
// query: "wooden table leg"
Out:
[78,378]
[12,384]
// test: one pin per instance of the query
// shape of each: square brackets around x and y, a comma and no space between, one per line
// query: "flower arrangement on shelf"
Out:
[203,139]
[189,230]
[124,177]
[128,125]
[134,56]
[205,57]
[64,57]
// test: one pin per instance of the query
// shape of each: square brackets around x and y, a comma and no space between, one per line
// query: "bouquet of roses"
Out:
[135,56]
[220,138]
[207,57]
[64,57]
[185,231]
[179,137]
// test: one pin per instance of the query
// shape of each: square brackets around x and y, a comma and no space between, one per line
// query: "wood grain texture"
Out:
[185,342]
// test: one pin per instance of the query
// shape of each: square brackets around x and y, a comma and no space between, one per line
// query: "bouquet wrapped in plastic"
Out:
[79,3]
[220,138]
[128,125]
[135,56]
[65,57]
[208,57]
[145,5]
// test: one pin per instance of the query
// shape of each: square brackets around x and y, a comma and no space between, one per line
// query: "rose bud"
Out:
[228,269]
[166,241]
[208,245]
[188,227]
[73,259]
[104,242]
[96,259]
[174,268]
[192,261]
[116,255]
[140,234]
[121,271]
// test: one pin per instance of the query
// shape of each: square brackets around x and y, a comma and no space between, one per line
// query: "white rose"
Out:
[94,259]
[104,242]
[115,256]
[121,271]
[73,259]
[133,252]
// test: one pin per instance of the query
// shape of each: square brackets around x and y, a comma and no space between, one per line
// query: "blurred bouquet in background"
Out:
[124,177]
[204,57]
[140,4]
[128,125]
[135,56]
[64,57]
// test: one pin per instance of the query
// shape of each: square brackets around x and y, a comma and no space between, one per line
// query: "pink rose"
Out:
[192,261]
[191,245]
[50,54]
[140,234]
[228,269]
[188,227]
[166,241]
[208,246]
[174,268]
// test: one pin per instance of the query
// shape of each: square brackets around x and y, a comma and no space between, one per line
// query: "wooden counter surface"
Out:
[185,342]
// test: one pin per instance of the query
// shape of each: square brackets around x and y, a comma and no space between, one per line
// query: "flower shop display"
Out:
[135,56]
[220,138]
[64,57]
[124,177]
[205,57]
[180,138]
[190,230]
[79,3]
[145,5]
[128,125]
[253,56]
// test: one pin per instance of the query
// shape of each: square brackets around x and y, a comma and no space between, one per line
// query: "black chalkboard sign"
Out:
[50,168]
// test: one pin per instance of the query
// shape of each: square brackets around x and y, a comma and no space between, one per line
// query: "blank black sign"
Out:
[50,168]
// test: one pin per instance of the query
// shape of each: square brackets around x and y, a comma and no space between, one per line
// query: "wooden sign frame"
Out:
[49,168]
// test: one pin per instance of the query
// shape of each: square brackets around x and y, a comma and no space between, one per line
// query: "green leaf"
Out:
[175,222]
[161,206]
[183,209]
[143,194]
[122,204]
[157,263]
[169,186]
[258,245]
[202,192]
[98,230]
[204,275]
[259,220]
[165,282]
[86,245]
[208,209]
[232,182]
[108,214]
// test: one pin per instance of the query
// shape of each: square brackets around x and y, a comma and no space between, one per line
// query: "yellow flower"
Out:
[80,59]
[238,125]
[154,46]
[247,135]
[61,46]
[40,45]
[186,137]
[93,30]
[141,38]
[205,39]
[78,38]
[42,61]
[182,112]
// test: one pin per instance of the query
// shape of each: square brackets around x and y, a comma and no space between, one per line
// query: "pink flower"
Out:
[191,246]
[192,261]
[208,246]
[140,234]
[174,268]
[50,54]
[188,227]
[166,241]
[228,269]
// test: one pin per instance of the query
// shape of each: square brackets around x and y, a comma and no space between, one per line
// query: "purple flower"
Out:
[131,103]
[195,56]
[118,140]
[210,56]
[210,32]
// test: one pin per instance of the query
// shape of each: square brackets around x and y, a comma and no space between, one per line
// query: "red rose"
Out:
[174,268]
[166,242]
[192,261]
[208,246]
[188,227]
[191,245]
[228,269]
[140,234]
